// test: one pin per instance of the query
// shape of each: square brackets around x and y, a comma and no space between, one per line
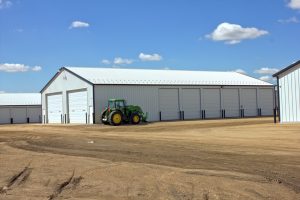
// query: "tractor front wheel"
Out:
[115,118]
[135,118]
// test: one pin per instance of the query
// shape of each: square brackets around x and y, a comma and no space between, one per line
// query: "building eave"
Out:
[286,69]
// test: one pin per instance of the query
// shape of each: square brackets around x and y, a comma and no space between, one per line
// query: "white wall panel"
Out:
[4,115]
[266,102]
[211,102]
[169,103]
[191,103]
[297,95]
[249,101]
[231,102]
[289,91]
[34,114]
[19,115]
[282,96]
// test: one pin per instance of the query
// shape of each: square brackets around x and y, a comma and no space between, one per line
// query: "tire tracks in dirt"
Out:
[71,183]
[17,179]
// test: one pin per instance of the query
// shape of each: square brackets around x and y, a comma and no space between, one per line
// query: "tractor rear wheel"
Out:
[115,118]
[135,118]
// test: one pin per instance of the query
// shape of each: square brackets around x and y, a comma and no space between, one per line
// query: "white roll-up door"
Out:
[54,108]
[34,114]
[249,102]
[169,104]
[19,115]
[191,103]
[4,115]
[266,101]
[77,102]
[211,103]
[231,102]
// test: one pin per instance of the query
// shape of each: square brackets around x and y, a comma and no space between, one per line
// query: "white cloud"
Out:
[265,78]
[105,62]
[241,71]
[79,24]
[5,4]
[20,30]
[36,68]
[234,33]
[266,70]
[121,61]
[294,4]
[1,92]
[289,20]
[7,67]
[13,67]
[150,57]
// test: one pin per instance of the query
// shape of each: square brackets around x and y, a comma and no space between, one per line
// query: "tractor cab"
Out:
[116,103]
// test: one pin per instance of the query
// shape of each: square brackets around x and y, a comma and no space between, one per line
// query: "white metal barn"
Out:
[288,81]
[78,95]
[18,108]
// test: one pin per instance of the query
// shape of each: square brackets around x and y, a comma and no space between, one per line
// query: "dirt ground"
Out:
[213,159]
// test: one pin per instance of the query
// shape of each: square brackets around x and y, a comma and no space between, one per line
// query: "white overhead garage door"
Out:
[54,108]
[191,103]
[77,107]
[169,104]
[18,115]
[231,103]
[4,116]
[34,114]
[266,100]
[249,102]
[211,103]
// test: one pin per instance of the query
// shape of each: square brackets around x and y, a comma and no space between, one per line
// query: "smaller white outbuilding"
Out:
[18,108]
[288,81]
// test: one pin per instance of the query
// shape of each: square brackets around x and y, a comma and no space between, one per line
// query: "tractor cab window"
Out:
[119,104]
[111,104]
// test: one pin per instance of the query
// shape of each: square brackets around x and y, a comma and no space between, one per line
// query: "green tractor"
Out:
[117,112]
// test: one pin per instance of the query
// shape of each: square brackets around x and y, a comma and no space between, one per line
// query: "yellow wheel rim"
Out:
[135,118]
[117,118]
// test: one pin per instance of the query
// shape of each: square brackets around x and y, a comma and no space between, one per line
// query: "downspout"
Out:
[94,105]
[278,96]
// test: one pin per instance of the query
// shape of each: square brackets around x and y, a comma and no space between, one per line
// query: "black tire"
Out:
[135,118]
[111,118]
[105,122]
[102,117]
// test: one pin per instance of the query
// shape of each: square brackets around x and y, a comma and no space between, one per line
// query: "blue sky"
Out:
[38,37]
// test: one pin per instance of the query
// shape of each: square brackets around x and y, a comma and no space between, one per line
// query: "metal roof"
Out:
[20,99]
[112,76]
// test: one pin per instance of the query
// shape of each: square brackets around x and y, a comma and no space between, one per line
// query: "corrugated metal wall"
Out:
[289,95]
[20,114]
[210,100]
[145,96]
